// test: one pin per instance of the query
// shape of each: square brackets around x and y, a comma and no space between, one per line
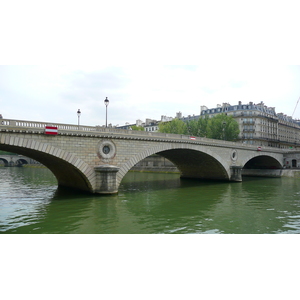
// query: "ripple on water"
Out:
[22,201]
[155,203]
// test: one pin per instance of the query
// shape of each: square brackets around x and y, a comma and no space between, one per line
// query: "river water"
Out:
[30,202]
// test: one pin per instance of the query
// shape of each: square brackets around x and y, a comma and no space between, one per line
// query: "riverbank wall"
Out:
[295,173]
[155,163]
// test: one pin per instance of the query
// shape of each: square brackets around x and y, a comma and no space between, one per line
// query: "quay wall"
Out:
[155,163]
[291,173]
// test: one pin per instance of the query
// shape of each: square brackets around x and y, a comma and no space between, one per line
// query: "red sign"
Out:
[192,138]
[258,148]
[51,130]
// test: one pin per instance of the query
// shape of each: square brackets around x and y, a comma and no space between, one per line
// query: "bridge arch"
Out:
[5,161]
[265,161]
[21,161]
[262,165]
[69,170]
[193,161]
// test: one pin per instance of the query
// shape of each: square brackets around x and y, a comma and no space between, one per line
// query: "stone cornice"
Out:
[182,139]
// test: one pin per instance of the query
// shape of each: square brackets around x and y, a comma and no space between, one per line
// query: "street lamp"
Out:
[78,114]
[106,102]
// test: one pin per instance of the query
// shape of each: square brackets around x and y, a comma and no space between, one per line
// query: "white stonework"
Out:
[96,159]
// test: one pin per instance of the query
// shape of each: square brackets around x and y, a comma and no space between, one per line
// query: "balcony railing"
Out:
[251,122]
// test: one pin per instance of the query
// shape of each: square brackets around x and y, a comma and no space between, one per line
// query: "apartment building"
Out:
[260,125]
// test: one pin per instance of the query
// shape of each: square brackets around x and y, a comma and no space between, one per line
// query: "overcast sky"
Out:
[54,94]
[149,58]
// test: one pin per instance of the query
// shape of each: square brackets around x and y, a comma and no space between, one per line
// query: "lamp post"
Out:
[78,114]
[106,102]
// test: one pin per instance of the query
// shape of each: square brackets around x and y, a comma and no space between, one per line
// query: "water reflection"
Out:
[30,202]
[24,196]
[174,205]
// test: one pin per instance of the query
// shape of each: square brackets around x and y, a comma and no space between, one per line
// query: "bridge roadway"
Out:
[96,159]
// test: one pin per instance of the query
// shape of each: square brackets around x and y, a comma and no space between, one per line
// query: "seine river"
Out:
[30,202]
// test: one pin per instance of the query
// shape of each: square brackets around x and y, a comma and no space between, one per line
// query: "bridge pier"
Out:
[106,179]
[236,173]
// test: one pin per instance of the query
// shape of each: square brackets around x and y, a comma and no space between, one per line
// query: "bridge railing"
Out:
[7,124]
[21,124]
[41,125]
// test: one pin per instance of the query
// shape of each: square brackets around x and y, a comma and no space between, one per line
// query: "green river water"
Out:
[30,202]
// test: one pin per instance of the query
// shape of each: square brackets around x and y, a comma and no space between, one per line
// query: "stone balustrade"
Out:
[82,130]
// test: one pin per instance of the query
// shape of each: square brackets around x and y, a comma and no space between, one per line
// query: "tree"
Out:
[175,126]
[203,125]
[192,128]
[138,128]
[220,127]
[198,127]
[223,127]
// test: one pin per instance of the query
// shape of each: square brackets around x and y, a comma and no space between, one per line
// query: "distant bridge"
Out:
[96,159]
[14,160]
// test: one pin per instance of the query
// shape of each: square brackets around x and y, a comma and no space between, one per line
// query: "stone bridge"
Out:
[96,159]
[14,160]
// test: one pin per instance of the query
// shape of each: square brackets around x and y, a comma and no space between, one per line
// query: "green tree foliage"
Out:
[192,128]
[139,128]
[175,126]
[220,127]
[198,127]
